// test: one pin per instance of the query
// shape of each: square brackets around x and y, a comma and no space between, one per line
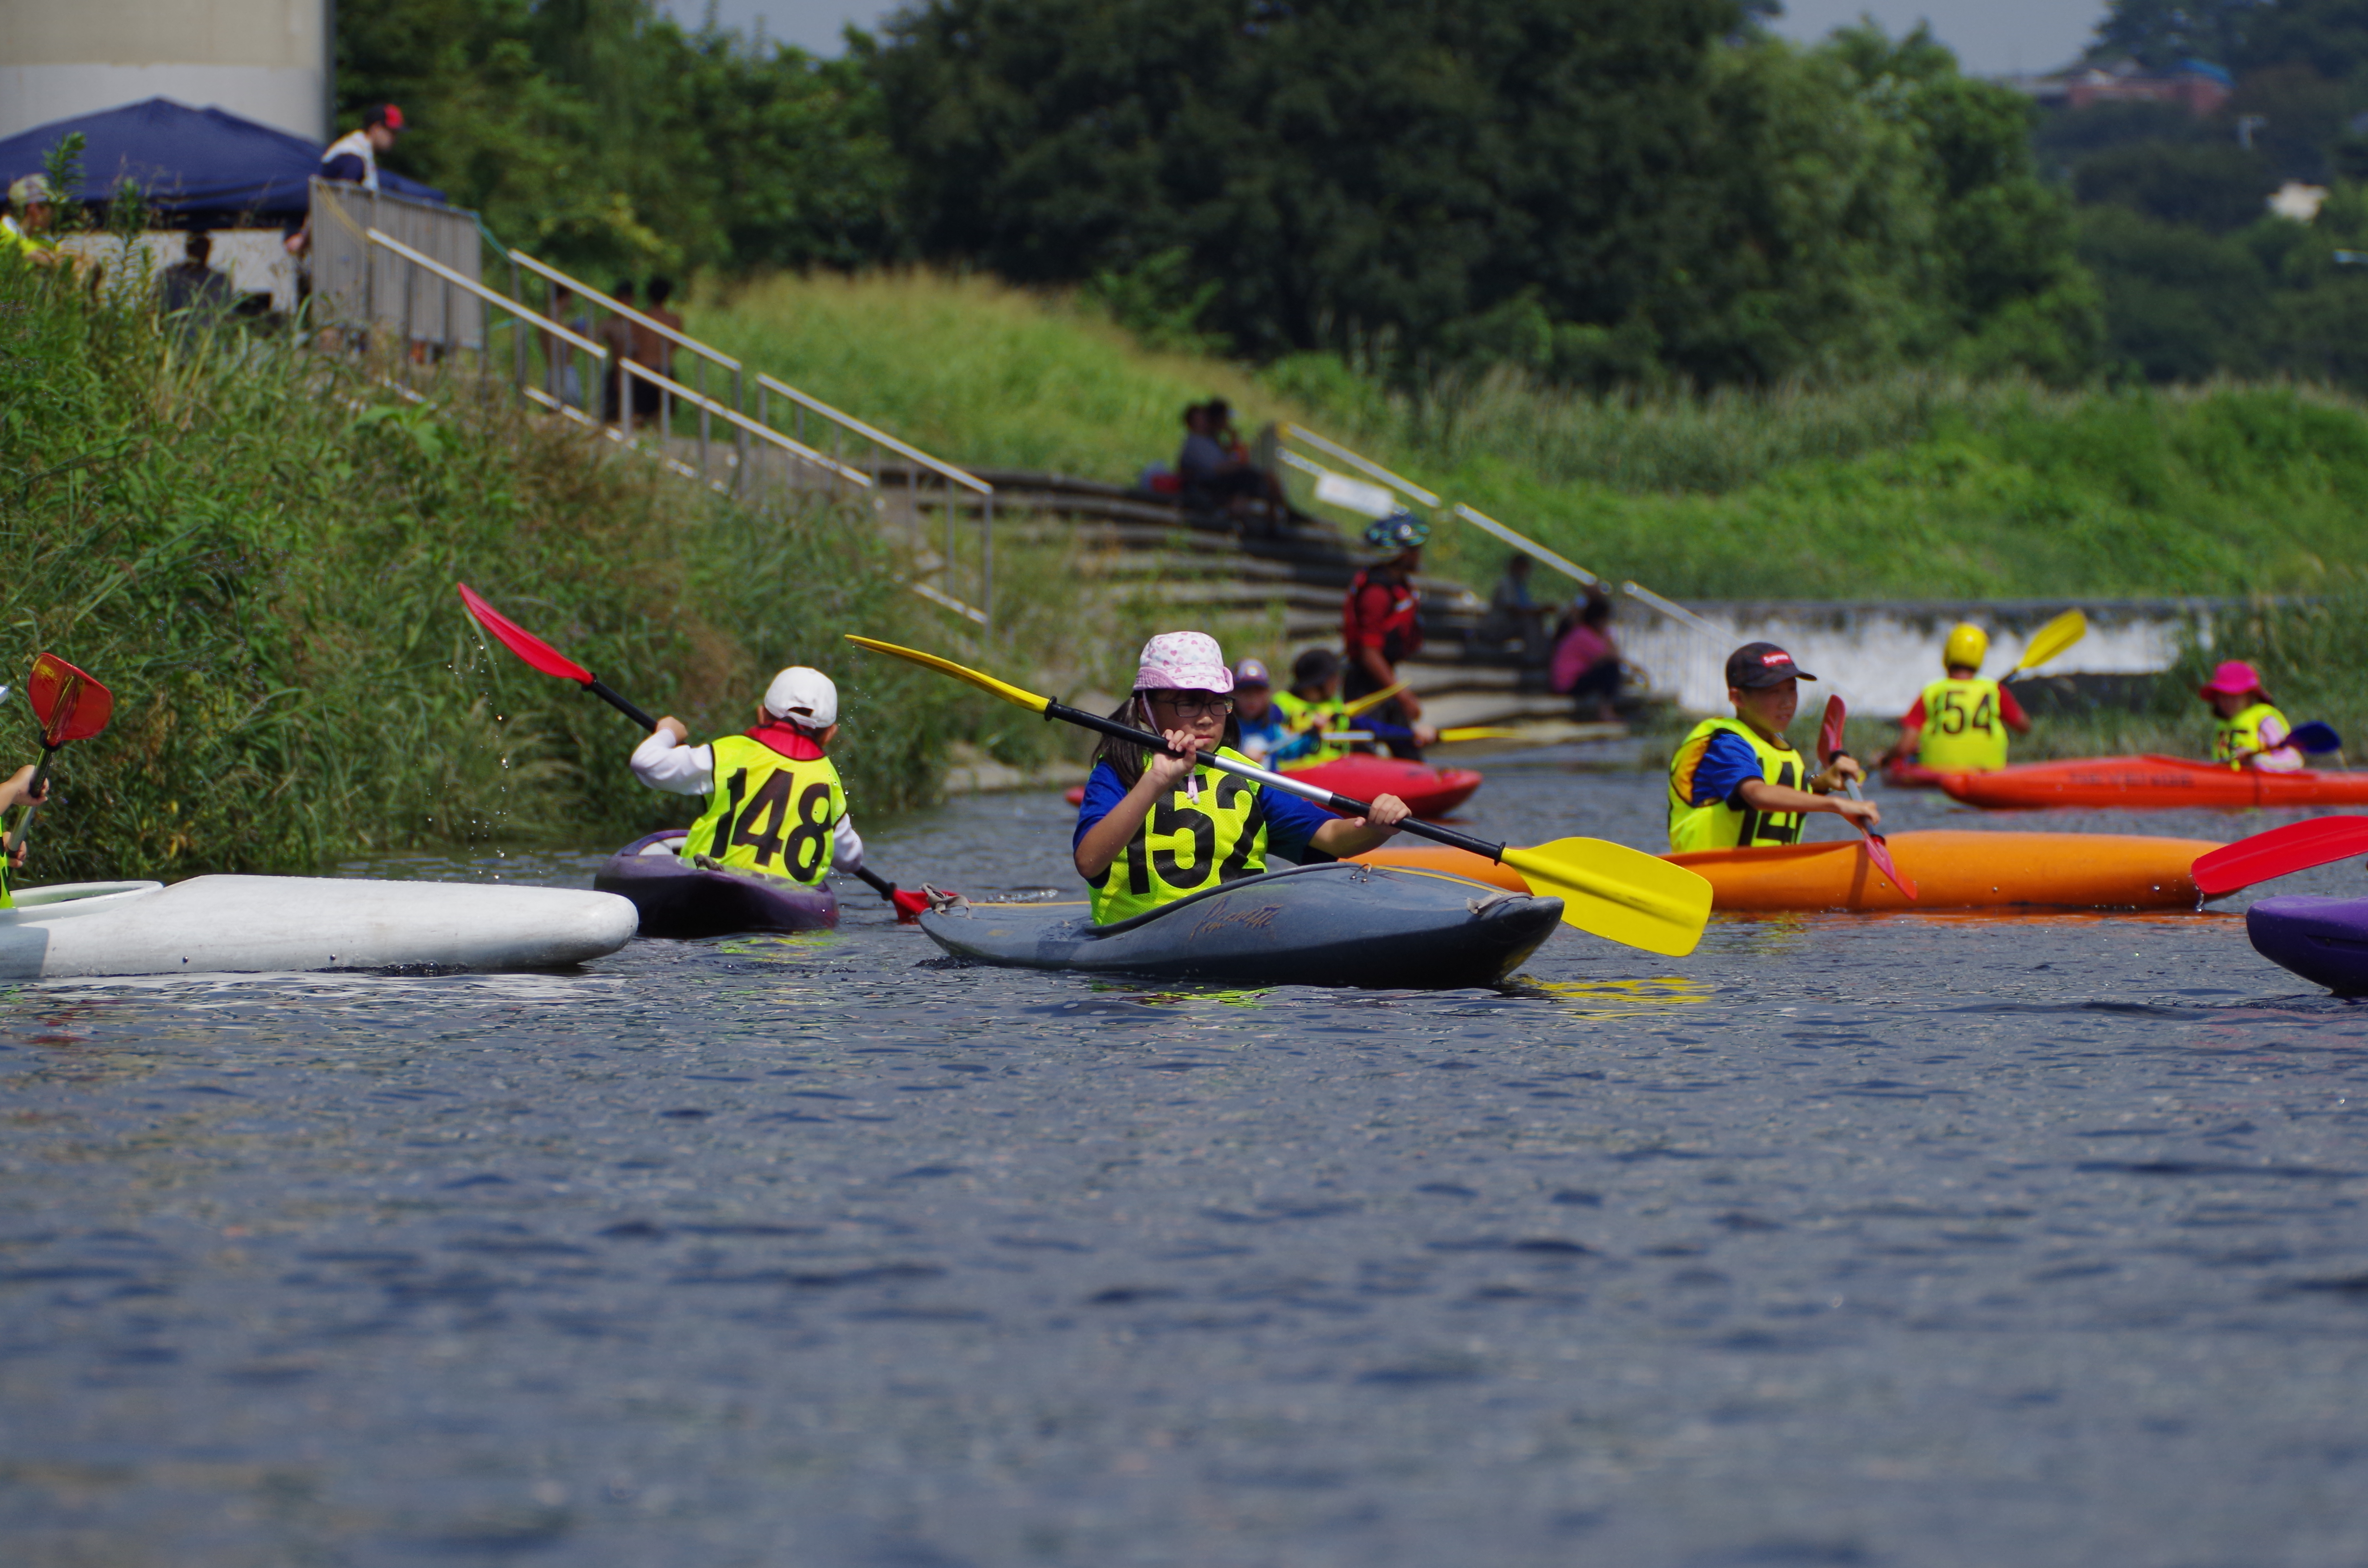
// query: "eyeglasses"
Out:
[1189,705]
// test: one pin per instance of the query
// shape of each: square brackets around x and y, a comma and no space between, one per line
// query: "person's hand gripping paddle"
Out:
[552,662]
[1606,889]
[1829,746]
[70,707]
[2281,851]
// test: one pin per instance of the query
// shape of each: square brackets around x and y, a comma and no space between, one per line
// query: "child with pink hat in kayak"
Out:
[2251,731]
[1154,829]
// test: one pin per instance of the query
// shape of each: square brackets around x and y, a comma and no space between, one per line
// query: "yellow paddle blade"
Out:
[2054,638]
[1621,894]
[1004,689]
[1478,732]
[1368,703]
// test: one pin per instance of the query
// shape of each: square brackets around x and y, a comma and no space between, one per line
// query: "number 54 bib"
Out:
[769,813]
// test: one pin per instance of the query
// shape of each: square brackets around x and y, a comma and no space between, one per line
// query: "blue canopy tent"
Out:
[200,169]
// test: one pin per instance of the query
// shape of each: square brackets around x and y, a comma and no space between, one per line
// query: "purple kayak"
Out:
[2325,940]
[677,900]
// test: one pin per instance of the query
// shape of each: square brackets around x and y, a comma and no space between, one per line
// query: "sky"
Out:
[1991,36]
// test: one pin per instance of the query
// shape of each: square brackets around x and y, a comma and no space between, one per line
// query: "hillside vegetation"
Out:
[1914,484]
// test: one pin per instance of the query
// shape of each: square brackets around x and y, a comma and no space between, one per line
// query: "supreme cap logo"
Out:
[1777,657]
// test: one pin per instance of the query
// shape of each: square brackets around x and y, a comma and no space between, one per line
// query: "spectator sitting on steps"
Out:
[1587,663]
[1514,615]
[192,285]
[1220,476]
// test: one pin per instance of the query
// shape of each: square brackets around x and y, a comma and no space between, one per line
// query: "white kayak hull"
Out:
[217,924]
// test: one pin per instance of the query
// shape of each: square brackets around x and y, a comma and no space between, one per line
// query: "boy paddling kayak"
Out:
[1959,723]
[774,801]
[1156,829]
[1738,782]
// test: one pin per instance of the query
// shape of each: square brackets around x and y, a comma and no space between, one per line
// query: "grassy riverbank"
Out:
[1913,486]
[255,550]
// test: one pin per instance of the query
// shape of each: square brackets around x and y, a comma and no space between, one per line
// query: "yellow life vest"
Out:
[1719,825]
[2233,739]
[1964,730]
[1185,845]
[768,812]
[1310,721]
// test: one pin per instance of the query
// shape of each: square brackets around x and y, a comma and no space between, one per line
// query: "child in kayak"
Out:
[2251,732]
[774,801]
[1737,781]
[1959,724]
[1311,708]
[1263,728]
[1157,828]
[18,792]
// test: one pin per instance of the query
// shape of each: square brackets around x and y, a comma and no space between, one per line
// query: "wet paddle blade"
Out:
[2315,737]
[986,683]
[1622,895]
[1830,729]
[70,705]
[2053,639]
[1880,853]
[521,642]
[2282,851]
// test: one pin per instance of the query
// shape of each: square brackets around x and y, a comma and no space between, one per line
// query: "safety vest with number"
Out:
[769,813]
[1719,825]
[2238,741]
[1308,721]
[1963,731]
[1185,845]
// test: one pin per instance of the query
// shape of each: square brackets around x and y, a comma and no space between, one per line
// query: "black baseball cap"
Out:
[1756,664]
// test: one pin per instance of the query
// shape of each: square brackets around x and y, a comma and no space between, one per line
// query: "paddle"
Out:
[552,662]
[2051,640]
[1606,888]
[70,707]
[1371,700]
[2281,851]
[1829,746]
[2315,738]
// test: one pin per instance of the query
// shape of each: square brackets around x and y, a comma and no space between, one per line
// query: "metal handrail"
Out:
[1527,546]
[379,237]
[968,481]
[733,417]
[1366,466]
[1671,609]
[585,290]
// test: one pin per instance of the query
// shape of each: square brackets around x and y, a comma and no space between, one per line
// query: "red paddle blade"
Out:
[1880,853]
[2297,847]
[70,705]
[1829,732]
[521,642]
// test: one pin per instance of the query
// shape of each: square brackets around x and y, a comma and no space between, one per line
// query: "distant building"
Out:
[2195,86]
[263,59]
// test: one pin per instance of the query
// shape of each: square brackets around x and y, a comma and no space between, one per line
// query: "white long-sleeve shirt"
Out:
[662,764]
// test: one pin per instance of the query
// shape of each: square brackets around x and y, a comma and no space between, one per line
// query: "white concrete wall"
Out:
[256,259]
[264,59]
[1879,656]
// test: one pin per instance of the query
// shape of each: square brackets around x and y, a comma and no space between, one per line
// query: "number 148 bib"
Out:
[769,813]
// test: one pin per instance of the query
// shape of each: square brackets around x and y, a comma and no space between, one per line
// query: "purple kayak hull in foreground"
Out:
[2325,940]
[677,900]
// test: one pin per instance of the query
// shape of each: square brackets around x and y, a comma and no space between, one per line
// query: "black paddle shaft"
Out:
[601,689]
[1112,728]
[25,822]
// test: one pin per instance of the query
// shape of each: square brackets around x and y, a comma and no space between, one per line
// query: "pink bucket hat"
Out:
[2236,677]
[1182,661]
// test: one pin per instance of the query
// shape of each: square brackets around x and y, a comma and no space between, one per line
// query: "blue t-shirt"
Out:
[1290,821]
[1727,763]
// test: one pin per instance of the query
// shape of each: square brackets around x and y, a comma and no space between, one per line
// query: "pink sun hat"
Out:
[2236,677]
[1182,661]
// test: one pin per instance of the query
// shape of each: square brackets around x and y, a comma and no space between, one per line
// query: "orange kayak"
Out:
[2141,783]
[1951,871]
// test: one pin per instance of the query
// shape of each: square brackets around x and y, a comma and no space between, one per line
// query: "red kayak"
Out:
[2141,783]
[1428,791]
[1911,775]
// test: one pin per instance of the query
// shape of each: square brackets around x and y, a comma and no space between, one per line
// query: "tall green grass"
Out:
[254,547]
[1910,484]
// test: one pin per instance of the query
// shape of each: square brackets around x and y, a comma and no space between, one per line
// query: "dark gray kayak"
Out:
[1328,925]
[677,900]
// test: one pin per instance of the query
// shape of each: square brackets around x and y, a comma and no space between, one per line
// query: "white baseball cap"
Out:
[804,696]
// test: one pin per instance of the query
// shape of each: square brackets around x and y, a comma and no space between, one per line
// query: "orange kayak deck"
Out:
[2151,783]
[1951,871]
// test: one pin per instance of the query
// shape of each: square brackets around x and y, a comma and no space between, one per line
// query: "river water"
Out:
[1917,1241]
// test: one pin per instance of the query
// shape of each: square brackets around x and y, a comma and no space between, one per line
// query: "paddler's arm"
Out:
[663,762]
[18,791]
[1762,796]
[1105,840]
[1343,836]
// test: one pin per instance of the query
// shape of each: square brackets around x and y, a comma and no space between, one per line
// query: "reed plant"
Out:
[255,545]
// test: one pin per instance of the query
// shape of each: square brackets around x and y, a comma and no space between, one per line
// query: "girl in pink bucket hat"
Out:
[2250,731]
[1155,828]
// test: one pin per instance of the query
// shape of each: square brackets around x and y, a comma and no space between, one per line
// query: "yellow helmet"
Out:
[1967,646]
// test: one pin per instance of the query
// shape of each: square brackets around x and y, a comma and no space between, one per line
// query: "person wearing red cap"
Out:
[1737,782]
[352,159]
[1155,828]
[2250,731]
